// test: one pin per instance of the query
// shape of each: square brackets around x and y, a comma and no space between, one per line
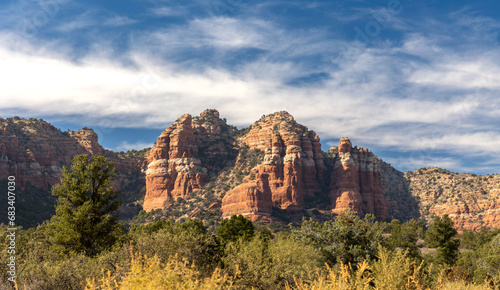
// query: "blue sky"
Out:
[416,82]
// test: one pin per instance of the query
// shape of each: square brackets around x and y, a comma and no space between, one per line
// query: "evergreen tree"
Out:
[235,228]
[405,236]
[84,222]
[442,235]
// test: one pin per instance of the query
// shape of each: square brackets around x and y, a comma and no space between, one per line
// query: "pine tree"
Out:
[84,222]
[442,235]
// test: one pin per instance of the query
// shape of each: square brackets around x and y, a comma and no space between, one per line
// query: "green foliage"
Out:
[175,252]
[270,263]
[237,227]
[348,239]
[84,222]
[484,262]
[475,240]
[441,234]
[405,236]
[189,240]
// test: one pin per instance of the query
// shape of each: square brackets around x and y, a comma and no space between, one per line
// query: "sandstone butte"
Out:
[292,169]
[34,151]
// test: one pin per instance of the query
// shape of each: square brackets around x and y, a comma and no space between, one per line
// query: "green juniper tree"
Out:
[84,222]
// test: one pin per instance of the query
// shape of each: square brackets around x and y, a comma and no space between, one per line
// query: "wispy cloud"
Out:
[429,89]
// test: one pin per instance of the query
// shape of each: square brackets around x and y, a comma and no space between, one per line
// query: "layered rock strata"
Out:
[356,182]
[251,199]
[184,155]
[292,169]
[173,167]
[293,164]
[34,151]
[471,201]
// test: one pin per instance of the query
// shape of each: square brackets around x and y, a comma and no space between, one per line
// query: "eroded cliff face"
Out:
[252,199]
[184,156]
[34,151]
[292,169]
[293,159]
[356,182]
[174,169]
[295,169]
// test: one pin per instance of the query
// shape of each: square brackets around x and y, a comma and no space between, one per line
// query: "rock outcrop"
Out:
[356,182]
[293,164]
[184,156]
[251,199]
[173,167]
[471,201]
[34,152]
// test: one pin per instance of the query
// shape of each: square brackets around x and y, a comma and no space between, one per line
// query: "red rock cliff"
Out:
[34,151]
[183,156]
[174,169]
[251,199]
[293,164]
[356,182]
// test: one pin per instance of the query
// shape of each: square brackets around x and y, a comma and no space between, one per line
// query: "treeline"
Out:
[347,253]
[83,246]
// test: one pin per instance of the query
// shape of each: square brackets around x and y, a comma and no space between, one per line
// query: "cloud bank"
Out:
[426,93]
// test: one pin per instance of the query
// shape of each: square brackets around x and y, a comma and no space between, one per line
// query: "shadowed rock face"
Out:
[356,182]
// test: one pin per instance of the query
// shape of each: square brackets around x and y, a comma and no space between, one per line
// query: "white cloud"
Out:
[417,95]
[420,159]
[119,21]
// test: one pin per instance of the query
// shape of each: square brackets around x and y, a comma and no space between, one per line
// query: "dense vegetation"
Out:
[348,253]
[83,247]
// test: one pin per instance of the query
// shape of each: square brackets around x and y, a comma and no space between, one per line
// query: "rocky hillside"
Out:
[471,201]
[34,152]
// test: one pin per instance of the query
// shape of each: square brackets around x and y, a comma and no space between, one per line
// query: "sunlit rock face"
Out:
[183,155]
[356,182]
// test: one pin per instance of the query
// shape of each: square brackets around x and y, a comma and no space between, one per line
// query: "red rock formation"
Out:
[183,156]
[471,214]
[251,199]
[34,151]
[356,182]
[293,159]
[174,169]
